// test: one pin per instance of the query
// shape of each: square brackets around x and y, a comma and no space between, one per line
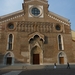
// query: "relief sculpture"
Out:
[34,26]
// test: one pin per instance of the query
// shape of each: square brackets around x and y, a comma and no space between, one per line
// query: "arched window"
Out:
[60,42]
[10,41]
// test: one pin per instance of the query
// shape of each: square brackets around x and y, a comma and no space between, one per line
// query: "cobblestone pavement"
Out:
[39,72]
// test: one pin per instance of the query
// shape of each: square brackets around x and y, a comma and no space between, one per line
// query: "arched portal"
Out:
[36,56]
[62,59]
[36,41]
[8,58]
[32,36]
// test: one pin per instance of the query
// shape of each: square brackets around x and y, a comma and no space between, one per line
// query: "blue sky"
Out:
[65,8]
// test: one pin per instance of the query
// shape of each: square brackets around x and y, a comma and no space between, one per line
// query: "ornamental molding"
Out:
[11,18]
[57,19]
[45,2]
[28,26]
[40,7]
[31,36]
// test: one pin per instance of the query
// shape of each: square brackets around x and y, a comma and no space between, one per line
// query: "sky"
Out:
[65,8]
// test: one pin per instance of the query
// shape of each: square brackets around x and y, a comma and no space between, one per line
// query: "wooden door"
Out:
[61,60]
[9,60]
[35,58]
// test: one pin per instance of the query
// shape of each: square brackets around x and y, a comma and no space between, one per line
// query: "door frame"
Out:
[7,56]
[31,55]
[62,54]
[8,60]
[36,59]
[61,60]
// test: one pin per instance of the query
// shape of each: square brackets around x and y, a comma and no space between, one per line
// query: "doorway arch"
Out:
[36,56]
[62,59]
[8,58]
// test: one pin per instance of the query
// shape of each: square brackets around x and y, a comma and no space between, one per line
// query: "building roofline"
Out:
[50,14]
[42,1]
[11,14]
[59,17]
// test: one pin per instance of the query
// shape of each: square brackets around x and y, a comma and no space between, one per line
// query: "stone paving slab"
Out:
[12,73]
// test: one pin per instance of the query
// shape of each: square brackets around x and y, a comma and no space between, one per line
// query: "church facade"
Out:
[35,35]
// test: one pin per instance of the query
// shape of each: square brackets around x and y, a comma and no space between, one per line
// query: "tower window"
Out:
[60,42]
[35,11]
[10,40]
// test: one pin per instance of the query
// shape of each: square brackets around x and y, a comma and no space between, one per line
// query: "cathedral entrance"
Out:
[8,58]
[36,56]
[9,61]
[36,59]
[36,48]
[61,60]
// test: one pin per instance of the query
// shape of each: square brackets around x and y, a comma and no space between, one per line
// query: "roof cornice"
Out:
[59,18]
[45,2]
[11,16]
[20,13]
[14,13]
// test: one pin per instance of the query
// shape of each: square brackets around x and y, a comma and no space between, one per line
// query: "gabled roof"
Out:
[11,14]
[21,13]
[58,16]
[42,1]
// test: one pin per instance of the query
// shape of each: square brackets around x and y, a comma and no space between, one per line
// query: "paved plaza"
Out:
[39,72]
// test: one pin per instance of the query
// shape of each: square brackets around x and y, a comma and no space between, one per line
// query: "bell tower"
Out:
[35,8]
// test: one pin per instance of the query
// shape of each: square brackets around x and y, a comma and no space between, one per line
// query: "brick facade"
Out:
[28,37]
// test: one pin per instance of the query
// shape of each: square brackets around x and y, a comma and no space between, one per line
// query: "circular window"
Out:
[57,27]
[10,26]
[35,11]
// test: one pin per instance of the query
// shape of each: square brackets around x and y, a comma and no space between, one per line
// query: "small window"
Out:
[57,27]
[60,42]
[35,11]
[10,40]
[10,26]
[10,46]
